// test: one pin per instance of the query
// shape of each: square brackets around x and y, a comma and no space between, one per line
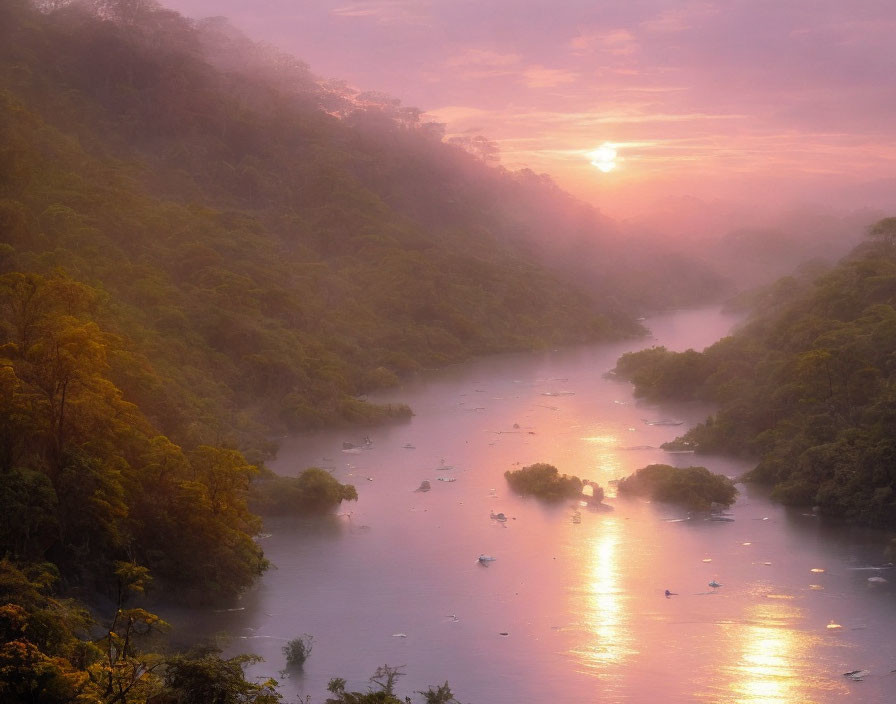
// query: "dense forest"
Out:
[203,246]
[807,386]
[248,249]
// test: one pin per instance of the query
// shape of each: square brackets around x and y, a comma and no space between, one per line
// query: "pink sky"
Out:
[739,101]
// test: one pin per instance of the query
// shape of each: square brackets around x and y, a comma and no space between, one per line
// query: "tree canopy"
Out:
[545,482]
[807,387]
[695,488]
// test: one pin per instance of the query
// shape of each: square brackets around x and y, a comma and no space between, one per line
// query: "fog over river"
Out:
[568,611]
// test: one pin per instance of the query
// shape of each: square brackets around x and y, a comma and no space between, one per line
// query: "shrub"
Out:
[544,481]
[694,487]
[298,649]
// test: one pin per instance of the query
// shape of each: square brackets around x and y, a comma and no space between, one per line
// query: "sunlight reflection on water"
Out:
[604,609]
[581,601]
[773,657]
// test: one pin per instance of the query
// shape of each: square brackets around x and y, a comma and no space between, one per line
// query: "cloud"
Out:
[455,114]
[386,11]
[616,42]
[681,18]
[541,77]
[474,63]
[483,58]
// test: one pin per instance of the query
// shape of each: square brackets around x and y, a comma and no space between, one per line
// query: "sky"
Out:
[749,105]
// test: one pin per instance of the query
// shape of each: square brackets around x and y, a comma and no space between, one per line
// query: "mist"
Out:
[758,112]
[733,129]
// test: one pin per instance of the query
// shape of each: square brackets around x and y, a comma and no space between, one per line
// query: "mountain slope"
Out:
[266,259]
[807,388]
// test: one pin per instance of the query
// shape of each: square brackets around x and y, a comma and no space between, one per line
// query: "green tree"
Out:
[298,649]
[314,491]
[544,481]
[202,676]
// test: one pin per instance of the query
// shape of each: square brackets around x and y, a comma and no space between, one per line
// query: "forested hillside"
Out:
[253,273]
[193,260]
[203,246]
[807,387]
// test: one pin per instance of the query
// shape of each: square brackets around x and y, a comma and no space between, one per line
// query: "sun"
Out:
[604,157]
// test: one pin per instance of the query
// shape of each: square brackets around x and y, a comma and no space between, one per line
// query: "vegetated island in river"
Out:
[545,482]
[695,488]
[314,491]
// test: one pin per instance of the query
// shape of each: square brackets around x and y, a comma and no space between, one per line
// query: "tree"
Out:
[202,676]
[695,488]
[28,513]
[384,677]
[125,673]
[298,649]
[544,481]
[441,694]
[42,646]
[314,491]
[884,231]
[16,420]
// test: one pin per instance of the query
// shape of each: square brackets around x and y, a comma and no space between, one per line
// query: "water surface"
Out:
[568,611]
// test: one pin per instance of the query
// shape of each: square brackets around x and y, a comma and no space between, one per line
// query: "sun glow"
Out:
[604,157]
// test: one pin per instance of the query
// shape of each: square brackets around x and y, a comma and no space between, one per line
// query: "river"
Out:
[570,610]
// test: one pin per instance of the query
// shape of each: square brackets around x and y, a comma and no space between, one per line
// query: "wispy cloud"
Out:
[458,116]
[680,19]
[474,64]
[617,42]
[541,77]
[386,11]
[483,57]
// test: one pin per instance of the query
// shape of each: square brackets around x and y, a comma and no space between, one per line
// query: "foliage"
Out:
[43,639]
[385,678]
[202,676]
[544,481]
[298,649]
[696,488]
[50,651]
[86,478]
[440,694]
[313,491]
[660,374]
[261,255]
[807,387]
